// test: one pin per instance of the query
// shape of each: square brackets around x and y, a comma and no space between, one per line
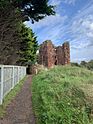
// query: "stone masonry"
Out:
[49,55]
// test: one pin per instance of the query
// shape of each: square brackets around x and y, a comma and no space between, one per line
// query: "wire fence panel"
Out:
[9,77]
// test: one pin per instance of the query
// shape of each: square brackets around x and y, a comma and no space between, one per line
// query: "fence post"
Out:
[2,81]
[13,78]
[18,75]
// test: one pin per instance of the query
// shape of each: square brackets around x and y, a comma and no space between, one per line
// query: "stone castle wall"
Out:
[50,55]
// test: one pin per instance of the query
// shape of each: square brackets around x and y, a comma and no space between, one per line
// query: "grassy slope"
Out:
[9,97]
[60,96]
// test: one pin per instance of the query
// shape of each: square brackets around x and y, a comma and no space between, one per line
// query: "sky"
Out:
[73,22]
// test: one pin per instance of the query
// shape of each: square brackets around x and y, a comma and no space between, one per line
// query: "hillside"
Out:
[63,95]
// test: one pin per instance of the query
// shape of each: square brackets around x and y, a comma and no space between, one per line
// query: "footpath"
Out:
[19,111]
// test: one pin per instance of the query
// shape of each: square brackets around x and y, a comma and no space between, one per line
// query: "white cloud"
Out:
[55,2]
[49,27]
[85,54]
[58,2]
[82,30]
[91,26]
[90,34]
[78,30]
[69,1]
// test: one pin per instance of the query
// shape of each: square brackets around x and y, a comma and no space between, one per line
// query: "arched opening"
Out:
[56,62]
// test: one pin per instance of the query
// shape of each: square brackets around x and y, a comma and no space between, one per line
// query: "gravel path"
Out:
[20,109]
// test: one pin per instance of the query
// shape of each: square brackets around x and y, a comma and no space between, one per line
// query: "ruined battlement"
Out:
[49,55]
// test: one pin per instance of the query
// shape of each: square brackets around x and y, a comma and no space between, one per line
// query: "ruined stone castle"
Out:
[49,55]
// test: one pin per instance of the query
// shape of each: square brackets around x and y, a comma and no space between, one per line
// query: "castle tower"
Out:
[66,50]
[60,55]
[50,55]
[47,54]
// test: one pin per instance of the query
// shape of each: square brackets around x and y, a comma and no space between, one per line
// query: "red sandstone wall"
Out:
[60,55]
[66,50]
[46,54]
[50,56]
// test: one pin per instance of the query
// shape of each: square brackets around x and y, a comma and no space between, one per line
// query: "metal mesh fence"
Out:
[9,77]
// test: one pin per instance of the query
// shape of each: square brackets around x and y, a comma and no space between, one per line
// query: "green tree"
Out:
[88,65]
[75,64]
[12,13]
[83,64]
[28,46]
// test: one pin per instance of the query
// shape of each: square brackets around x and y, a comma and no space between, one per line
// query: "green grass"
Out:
[9,97]
[59,96]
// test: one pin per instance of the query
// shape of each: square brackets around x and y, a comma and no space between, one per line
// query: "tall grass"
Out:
[58,97]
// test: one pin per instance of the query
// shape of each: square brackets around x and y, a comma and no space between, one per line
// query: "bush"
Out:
[88,65]
[75,64]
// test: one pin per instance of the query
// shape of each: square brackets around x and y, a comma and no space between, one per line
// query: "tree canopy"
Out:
[33,9]
[12,14]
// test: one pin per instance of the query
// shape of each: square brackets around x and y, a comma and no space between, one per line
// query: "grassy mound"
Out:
[60,97]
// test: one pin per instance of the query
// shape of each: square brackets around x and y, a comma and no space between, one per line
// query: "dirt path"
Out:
[20,109]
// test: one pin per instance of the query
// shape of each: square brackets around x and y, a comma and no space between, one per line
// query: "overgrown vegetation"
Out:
[9,97]
[60,97]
